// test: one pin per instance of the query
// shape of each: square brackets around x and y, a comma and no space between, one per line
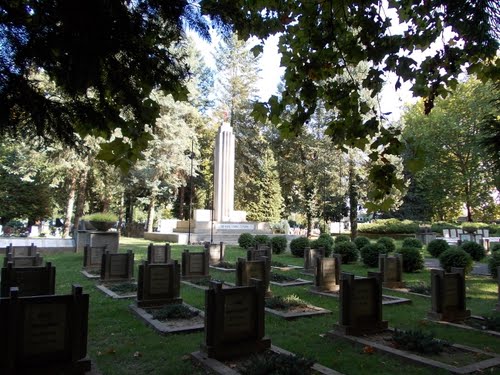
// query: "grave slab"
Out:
[110,293]
[302,312]
[386,299]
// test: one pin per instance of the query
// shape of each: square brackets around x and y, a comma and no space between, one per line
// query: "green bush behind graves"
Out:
[437,247]
[413,260]
[347,250]
[475,250]
[278,244]
[297,246]
[493,263]
[325,241]
[384,226]
[412,242]
[388,243]
[361,241]
[246,240]
[262,239]
[455,257]
[370,254]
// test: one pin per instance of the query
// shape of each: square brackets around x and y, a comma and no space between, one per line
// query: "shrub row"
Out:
[278,244]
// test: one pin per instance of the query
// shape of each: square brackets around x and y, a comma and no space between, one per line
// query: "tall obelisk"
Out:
[224,174]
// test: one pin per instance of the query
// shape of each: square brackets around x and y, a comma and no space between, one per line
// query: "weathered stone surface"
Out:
[21,251]
[159,284]
[30,281]
[23,261]
[159,253]
[195,265]
[246,270]
[117,267]
[215,252]
[391,268]
[92,257]
[309,255]
[327,273]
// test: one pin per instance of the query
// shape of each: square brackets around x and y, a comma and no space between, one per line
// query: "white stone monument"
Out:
[224,173]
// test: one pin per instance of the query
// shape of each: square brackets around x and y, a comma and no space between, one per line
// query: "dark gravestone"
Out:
[257,254]
[30,281]
[28,261]
[21,251]
[246,270]
[159,284]
[309,255]
[215,252]
[391,268]
[44,334]
[361,304]
[234,321]
[498,282]
[327,273]
[117,267]
[195,265]
[92,257]
[159,253]
[448,295]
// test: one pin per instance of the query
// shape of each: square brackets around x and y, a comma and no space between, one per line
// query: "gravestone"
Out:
[216,252]
[498,282]
[117,267]
[44,334]
[448,295]
[92,257]
[159,284]
[258,253]
[195,265]
[21,251]
[30,281]
[234,321]
[327,273]
[446,233]
[246,270]
[159,253]
[28,261]
[361,304]
[309,255]
[391,268]
[426,237]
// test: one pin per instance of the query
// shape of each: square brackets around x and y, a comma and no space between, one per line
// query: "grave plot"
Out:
[119,290]
[224,266]
[280,279]
[292,307]
[195,265]
[92,258]
[489,325]
[23,261]
[159,253]
[30,281]
[44,334]
[275,265]
[159,303]
[117,272]
[198,283]
[455,358]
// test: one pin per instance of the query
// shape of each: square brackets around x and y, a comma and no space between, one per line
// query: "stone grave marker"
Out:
[117,267]
[30,281]
[44,334]
[195,265]
[234,321]
[21,251]
[256,254]
[361,304]
[92,257]
[391,268]
[448,295]
[327,273]
[309,255]
[216,252]
[246,270]
[23,261]
[453,233]
[159,253]
[498,282]
[159,284]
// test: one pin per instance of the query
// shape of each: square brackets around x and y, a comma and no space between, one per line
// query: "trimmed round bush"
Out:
[297,246]
[412,242]
[494,263]
[361,242]
[475,250]
[455,257]
[370,253]
[278,244]
[246,240]
[325,241]
[413,260]
[262,239]
[388,243]
[342,238]
[347,250]
[494,247]
[437,247]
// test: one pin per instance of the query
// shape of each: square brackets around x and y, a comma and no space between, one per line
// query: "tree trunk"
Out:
[80,199]
[353,200]
[121,213]
[69,206]
[181,203]
[151,214]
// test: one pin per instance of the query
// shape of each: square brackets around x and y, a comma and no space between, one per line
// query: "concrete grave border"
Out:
[295,315]
[389,300]
[113,295]
[296,282]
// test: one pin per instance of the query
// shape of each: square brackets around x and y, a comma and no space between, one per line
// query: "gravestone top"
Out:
[246,270]
[23,261]
[159,284]
[256,254]
[195,264]
[30,281]
[310,254]
[391,268]
[92,256]
[159,253]
[327,273]
[361,304]
[21,251]
[216,252]
[117,266]
[448,295]
[234,321]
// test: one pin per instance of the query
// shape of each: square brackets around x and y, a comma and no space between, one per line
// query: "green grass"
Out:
[121,344]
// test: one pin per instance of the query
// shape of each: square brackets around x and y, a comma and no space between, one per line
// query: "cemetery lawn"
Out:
[119,343]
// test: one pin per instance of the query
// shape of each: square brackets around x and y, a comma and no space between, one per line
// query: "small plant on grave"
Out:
[275,263]
[276,364]
[347,250]
[494,263]
[361,241]
[455,257]
[370,253]
[262,239]
[278,244]
[413,259]
[284,303]
[388,243]
[280,278]
[475,250]
[226,265]
[420,288]
[418,341]
[122,288]
[246,240]
[412,242]
[174,311]
[298,245]
[437,247]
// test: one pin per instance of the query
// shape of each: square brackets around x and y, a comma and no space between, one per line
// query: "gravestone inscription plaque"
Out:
[327,273]
[21,251]
[159,253]
[309,255]
[216,252]
[195,265]
[30,281]
[159,284]
[391,268]
[23,261]
[117,267]
[92,257]
[246,270]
